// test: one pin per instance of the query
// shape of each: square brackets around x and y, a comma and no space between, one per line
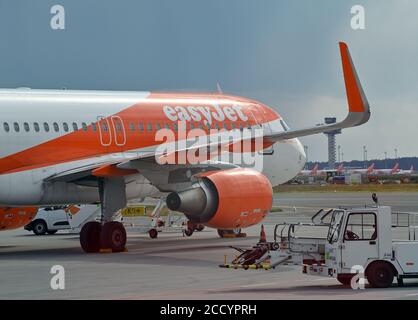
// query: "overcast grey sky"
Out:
[281,52]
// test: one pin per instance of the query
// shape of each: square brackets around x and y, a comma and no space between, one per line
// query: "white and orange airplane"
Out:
[318,172]
[382,172]
[368,170]
[81,147]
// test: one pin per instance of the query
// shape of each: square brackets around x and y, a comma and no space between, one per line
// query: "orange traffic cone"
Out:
[262,235]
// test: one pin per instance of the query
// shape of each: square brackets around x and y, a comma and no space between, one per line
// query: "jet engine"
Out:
[228,199]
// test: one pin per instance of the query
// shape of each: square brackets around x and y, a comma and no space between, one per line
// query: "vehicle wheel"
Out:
[188,232]
[52,231]
[90,236]
[380,275]
[345,279]
[39,227]
[153,233]
[200,227]
[113,236]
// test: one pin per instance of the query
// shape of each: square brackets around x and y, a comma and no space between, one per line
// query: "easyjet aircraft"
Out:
[316,172]
[393,171]
[368,170]
[81,147]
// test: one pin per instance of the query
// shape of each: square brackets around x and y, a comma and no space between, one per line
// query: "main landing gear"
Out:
[108,234]
[94,236]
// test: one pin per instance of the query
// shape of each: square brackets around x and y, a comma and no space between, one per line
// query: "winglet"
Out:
[357,101]
[358,107]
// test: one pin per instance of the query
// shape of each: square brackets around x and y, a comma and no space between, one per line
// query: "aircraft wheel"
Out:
[113,236]
[39,227]
[200,227]
[153,233]
[188,232]
[90,236]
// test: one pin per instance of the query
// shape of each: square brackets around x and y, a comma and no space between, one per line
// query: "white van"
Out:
[52,219]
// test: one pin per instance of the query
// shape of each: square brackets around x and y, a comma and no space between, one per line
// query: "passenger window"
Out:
[104,126]
[26,126]
[141,127]
[200,125]
[46,127]
[191,125]
[361,226]
[56,128]
[241,127]
[75,126]
[149,127]
[158,126]
[118,126]
[6,126]
[84,125]
[132,126]
[232,126]
[217,127]
[65,126]
[175,127]
[93,126]
[16,126]
[167,126]
[225,126]
[36,126]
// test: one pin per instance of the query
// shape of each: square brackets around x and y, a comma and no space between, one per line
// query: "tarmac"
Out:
[177,267]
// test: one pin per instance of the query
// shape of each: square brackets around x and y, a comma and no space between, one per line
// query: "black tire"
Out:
[52,231]
[380,274]
[345,279]
[200,227]
[221,232]
[90,237]
[153,233]
[188,232]
[113,236]
[39,227]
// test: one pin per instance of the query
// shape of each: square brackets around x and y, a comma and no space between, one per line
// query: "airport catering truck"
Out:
[352,240]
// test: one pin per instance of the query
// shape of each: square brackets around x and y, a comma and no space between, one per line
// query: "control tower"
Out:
[331,143]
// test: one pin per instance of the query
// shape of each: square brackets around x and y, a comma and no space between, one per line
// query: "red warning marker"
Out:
[262,235]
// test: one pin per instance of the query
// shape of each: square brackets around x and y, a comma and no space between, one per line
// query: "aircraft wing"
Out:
[358,106]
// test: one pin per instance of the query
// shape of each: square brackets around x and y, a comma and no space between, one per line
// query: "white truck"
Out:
[364,237]
[350,240]
[72,218]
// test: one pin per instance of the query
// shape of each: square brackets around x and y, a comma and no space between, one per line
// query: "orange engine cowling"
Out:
[228,199]
[14,218]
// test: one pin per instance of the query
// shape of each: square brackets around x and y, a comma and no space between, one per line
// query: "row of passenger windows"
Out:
[45,126]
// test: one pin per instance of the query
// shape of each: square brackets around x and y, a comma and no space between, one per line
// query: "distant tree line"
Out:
[404,163]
